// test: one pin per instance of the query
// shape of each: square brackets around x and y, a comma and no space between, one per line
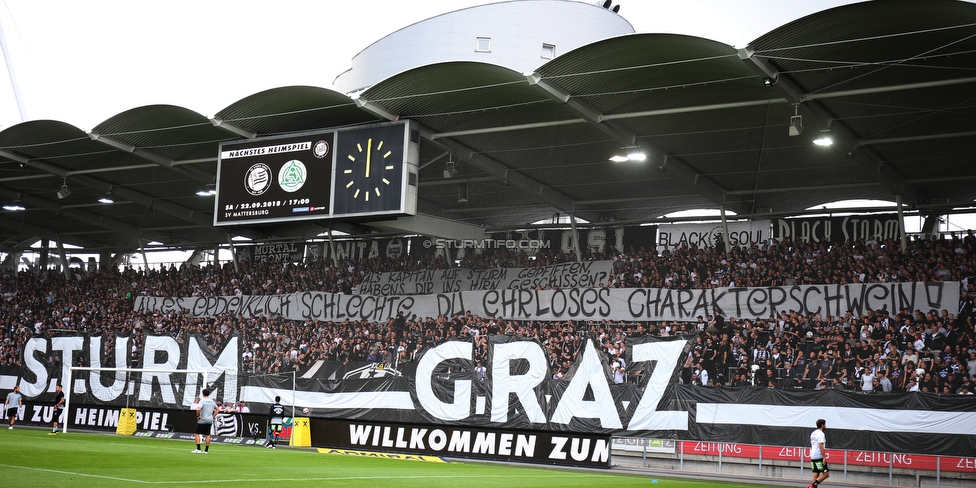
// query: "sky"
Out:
[84,61]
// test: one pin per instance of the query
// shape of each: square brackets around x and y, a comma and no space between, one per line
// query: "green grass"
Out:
[30,457]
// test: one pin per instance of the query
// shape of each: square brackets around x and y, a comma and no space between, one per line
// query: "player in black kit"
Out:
[276,417]
[58,408]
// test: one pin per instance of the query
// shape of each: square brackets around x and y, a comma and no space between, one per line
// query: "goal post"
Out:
[118,387]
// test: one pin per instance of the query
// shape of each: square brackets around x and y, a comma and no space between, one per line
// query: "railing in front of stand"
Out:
[798,457]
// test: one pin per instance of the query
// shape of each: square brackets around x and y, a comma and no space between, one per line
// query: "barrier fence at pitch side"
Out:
[842,461]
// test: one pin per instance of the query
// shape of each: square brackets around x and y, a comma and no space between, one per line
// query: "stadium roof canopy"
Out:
[894,83]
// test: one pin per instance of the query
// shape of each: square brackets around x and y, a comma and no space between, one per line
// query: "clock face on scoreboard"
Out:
[370,171]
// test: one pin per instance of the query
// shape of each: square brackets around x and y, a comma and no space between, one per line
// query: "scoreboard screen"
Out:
[360,172]
[275,179]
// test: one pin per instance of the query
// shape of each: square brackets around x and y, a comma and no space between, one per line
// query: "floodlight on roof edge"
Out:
[207,191]
[15,206]
[450,169]
[824,139]
[64,191]
[796,122]
[632,153]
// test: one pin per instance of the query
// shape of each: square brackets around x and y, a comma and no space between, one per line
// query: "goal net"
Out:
[132,388]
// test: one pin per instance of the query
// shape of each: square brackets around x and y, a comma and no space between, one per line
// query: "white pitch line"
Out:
[74,473]
[266,480]
[63,438]
[348,478]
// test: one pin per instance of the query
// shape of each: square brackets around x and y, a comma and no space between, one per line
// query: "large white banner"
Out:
[634,304]
[587,274]
[516,392]
[741,234]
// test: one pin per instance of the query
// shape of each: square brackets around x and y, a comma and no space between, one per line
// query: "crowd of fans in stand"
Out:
[879,351]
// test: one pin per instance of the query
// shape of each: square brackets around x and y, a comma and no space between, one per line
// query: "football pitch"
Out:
[31,457]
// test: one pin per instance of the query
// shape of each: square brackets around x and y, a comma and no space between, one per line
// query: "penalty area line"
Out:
[273,480]
[338,478]
[75,473]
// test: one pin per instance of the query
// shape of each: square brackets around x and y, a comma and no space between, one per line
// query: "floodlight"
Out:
[796,125]
[796,122]
[631,153]
[64,191]
[824,139]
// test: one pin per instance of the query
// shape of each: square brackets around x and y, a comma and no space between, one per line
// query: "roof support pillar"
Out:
[145,259]
[233,254]
[901,224]
[104,260]
[43,255]
[576,248]
[64,260]
[725,229]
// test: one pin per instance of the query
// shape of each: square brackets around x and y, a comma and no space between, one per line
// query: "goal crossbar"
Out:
[70,384]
